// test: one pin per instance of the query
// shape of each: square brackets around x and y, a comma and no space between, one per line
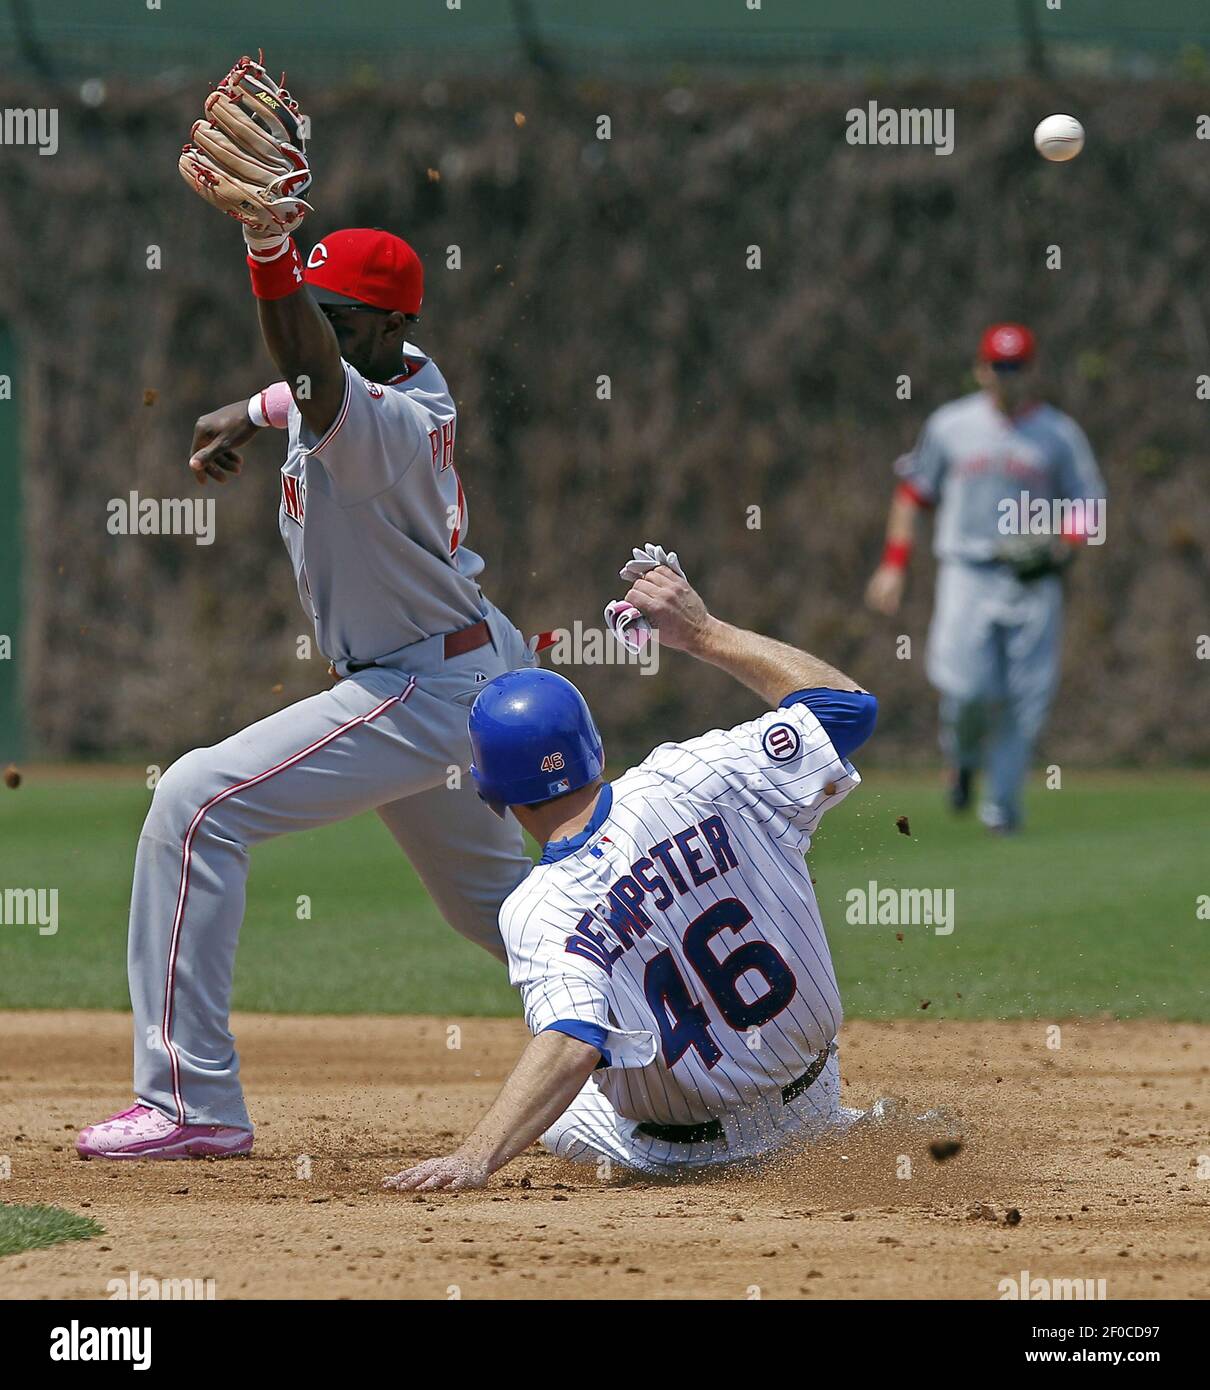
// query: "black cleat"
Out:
[961,786]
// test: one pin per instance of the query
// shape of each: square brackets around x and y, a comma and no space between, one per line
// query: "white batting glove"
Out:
[647,559]
[623,619]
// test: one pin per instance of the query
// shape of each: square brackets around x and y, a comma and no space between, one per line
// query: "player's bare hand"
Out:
[457,1172]
[884,592]
[216,441]
[672,606]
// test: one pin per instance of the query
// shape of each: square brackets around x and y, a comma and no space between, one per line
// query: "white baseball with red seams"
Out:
[1059,138]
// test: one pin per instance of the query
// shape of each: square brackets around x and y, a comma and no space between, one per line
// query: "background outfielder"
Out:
[668,948]
[374,519]
[993,647]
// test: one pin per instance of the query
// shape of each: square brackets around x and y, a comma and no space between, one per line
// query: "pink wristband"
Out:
[271,406]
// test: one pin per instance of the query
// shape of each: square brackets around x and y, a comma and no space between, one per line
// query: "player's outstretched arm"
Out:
[884,592]
[549,1075]
[301,341]
[247,157]
[773,669]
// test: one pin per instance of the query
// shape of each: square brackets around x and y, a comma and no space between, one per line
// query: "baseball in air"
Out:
[1059,138]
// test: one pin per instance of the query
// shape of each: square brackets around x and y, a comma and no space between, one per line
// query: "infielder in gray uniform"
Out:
[374,520]
[1016,487]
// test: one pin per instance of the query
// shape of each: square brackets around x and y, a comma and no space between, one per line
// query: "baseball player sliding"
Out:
[1016,487]
[374,520]
[668,947]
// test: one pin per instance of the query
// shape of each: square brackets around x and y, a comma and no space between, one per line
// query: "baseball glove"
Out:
[1034,557]
[247,155]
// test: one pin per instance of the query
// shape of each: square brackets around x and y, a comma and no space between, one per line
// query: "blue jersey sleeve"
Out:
[591,1033]
[847,716]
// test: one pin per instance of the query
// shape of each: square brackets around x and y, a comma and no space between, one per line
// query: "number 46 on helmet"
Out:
[533,738]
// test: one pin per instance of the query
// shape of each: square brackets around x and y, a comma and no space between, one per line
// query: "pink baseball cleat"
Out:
[142,1132]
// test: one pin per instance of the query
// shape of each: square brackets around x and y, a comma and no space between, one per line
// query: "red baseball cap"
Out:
[1007,345]
[361,265]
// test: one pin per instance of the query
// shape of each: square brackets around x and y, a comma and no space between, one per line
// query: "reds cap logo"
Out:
[781,742]
[319,254]
[1008,341]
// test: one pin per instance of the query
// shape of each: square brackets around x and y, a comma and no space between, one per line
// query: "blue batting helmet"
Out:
[533,738]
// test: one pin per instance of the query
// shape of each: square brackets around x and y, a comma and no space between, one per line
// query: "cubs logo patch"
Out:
[781,742]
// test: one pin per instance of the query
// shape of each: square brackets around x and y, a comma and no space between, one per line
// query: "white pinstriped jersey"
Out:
[685,925]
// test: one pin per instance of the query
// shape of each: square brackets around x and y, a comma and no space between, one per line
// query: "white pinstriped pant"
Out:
[590,1130]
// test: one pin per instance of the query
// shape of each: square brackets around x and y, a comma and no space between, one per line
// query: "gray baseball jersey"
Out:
[374,517]
[970,457]
[993,647]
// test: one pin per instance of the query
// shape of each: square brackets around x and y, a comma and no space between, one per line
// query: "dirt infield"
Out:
[1095,1144]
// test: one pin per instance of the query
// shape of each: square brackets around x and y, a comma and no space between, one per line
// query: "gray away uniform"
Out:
[993,647]
[374,518]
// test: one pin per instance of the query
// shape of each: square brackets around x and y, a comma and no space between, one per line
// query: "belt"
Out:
[466,639]
[711,1130]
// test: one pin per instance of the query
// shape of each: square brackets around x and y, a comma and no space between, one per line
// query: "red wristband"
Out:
[277,278]
[897,554]
[907,493]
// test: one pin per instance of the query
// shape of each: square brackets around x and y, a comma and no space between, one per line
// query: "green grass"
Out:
[35,1228]
[374,942]
[1092,910]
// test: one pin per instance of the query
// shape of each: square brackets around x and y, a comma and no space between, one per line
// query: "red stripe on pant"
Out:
[186,865]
